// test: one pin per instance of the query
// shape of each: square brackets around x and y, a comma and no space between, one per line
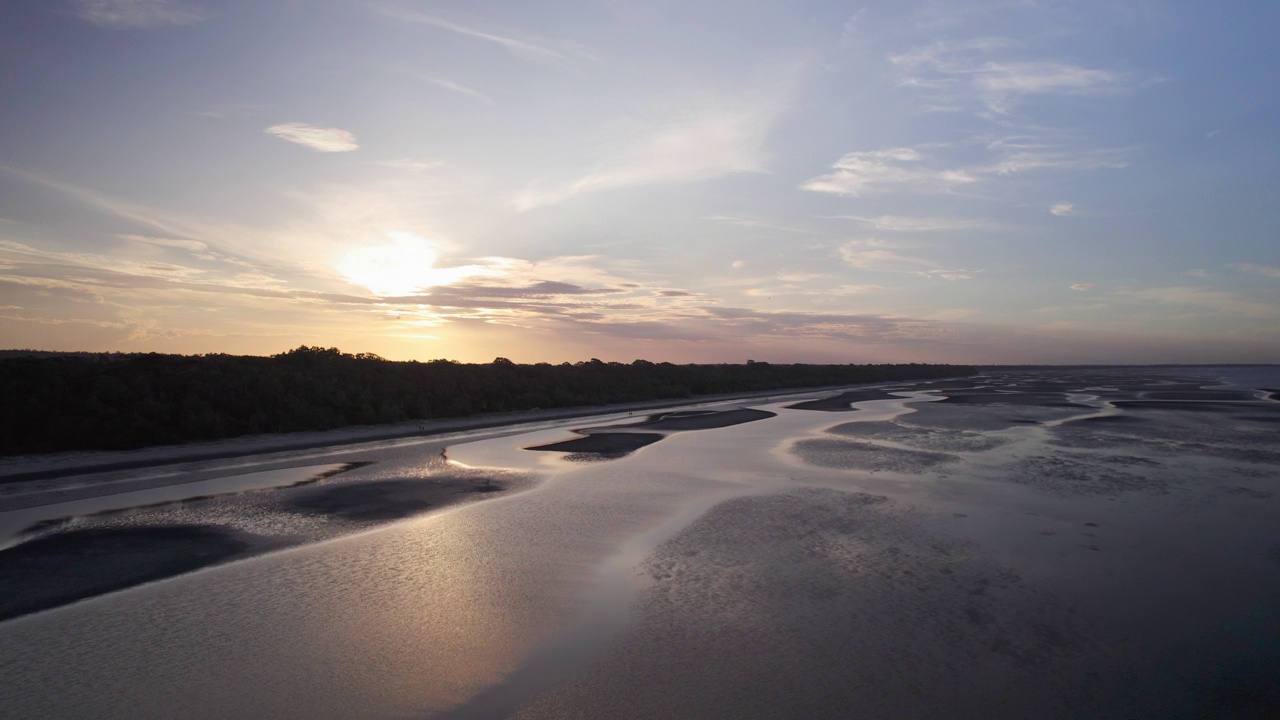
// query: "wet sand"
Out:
[69,557]
[65,567]
[616,441]
[842,402]
[1062,555]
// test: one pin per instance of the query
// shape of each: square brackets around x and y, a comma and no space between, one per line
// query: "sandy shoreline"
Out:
[21,468]
[79,525]
[1036,549]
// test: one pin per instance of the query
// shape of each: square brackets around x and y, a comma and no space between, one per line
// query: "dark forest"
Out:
[87,401]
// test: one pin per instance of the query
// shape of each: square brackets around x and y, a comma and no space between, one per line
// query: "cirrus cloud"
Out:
[137,13]
[316,138]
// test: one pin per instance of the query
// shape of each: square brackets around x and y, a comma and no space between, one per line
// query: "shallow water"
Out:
[911,559]
[15,521]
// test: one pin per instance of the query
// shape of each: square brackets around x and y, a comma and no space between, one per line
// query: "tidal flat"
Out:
[1040,543]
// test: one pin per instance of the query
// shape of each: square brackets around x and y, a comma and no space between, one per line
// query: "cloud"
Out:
[316,138]
[1024,160]
[174,226]
[816,325]
[137,13]
[1064,209]
[192,245]
[751,223]
[444,83]
[454,87]
[910,170]
[410,164]
[880,256]
[857,173]
[944,274]
[902,223]
[518,47]
[1044,77]
[873,254]
[960,72]
[722,136]
[1264,270]
[1083,287]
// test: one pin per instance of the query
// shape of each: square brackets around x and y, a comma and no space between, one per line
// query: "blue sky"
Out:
[1012,181]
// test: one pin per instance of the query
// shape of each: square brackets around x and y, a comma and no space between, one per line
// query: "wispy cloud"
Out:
[861,172]
[1083,287]
[906,223]
[874,254]
[752,223]
[879,255]
[961,72]
[910,170]
[817,325]
[1057,159]
[444,83]
[1064,209]
[946,274]
[1264,270]
[138,13]
[454,87]
[719,137]
[519,47]
[316,138]
[169,224]
[410,164]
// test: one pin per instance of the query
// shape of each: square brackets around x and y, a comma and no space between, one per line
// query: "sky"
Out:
[1005,181]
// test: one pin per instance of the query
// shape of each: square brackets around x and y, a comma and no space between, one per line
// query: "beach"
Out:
[1052,544]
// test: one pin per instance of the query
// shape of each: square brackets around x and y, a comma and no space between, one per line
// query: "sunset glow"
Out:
[693,182]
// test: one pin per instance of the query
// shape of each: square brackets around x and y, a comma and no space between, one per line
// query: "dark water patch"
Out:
[382,500]
[848,455]
[1013,398]
[611,444]
[1247,437]
[976,417]
[1238,453]
[1186,405]
[843,401]
[1267,419]
[597,444]
[1069,475]
[1110,420]
[59,569]
[708,420]
[938,440]
[1132,460]
[593,457]
[1202,395]
[1241,491]
[1266,474]
[1087,439]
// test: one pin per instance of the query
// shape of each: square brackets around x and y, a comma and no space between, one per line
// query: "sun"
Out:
[403,266]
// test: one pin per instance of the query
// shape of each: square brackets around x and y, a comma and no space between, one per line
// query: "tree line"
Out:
[82,401]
